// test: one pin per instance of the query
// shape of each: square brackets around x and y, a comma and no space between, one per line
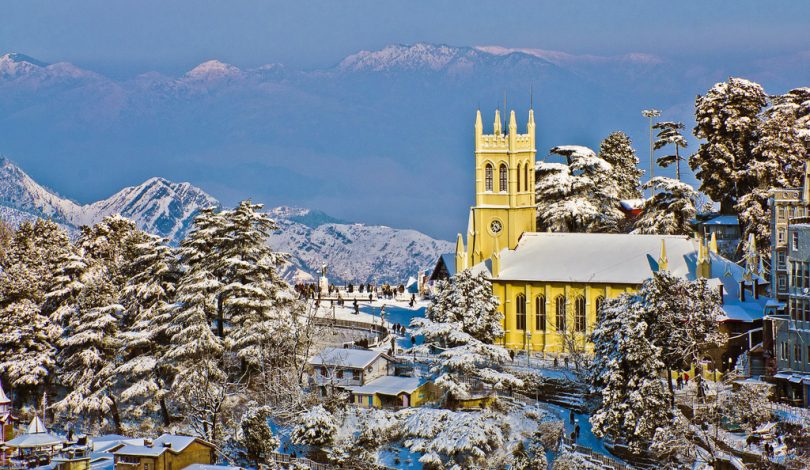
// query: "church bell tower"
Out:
[504,190]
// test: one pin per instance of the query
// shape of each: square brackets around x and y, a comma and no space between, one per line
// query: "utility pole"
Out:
[651,113]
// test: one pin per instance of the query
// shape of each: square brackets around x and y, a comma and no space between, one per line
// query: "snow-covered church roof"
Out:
[602,258]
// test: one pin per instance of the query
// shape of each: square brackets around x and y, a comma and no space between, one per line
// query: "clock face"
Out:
[496,226]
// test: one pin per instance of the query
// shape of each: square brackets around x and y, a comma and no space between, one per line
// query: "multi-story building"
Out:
[791,332]
[786,204]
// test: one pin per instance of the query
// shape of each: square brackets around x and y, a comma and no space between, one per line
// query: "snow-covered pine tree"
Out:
[727,118]
[670,209]
[256,436]
[683,316]
[463,357]
[617,149]
[256,300]
[315,427]
[670,134]
[27,337]
[200,386]
[626,367]
[468,299]
[582,196]
[142,378]
[779,160]
[90,345]
[87,353]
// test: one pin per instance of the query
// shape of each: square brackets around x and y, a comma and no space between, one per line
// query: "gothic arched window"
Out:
[503,179]
[599,302]
[488,177]
[520,309]
[526,177]
[579,317]
[560,313]
[540,313]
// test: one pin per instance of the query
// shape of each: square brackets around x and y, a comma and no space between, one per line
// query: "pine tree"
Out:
[779,159]
[316,427]
[463,357]
[670,209]
[670,134]
[582,196]
[634,399]
[142,379]
[468,299]
[27,337]
[256,436]
[727,118]
[88,351]
[617,149]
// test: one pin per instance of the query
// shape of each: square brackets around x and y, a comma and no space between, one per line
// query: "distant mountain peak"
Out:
[213,69]
[21,58]
[420,55]
[564,58]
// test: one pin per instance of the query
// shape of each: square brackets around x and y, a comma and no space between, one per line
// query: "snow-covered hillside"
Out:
[353,252]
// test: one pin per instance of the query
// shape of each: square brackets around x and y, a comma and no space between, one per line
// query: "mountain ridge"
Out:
[354,252]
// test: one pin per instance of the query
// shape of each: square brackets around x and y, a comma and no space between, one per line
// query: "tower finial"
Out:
[496,127]
[531,96]
[663,262]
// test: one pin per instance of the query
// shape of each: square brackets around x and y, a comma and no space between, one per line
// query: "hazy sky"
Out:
[117,37]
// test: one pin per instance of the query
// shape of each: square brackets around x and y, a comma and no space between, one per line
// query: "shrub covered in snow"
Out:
[315,427]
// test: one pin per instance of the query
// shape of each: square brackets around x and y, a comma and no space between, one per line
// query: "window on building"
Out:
[356,375]
[795,240]
[797,352]
[579,317]
[780,256]
[782,283]
[784,352]
[560,313]
[526,177]
[503,179]
[780,236]
[340,374]
[599,302]
[780,213]
[520,309]
[488,177]
[540,313]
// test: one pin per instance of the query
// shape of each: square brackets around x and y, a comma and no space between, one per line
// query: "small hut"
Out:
[36,446]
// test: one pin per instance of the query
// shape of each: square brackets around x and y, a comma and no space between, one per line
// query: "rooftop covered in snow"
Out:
[601,258]
[347,358]
[389,385]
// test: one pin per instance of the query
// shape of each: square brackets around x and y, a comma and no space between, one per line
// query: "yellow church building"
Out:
[551,285]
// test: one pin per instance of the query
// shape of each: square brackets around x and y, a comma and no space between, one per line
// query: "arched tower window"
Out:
[488,177]
[560,313]
[540,313]
[526,177]
[579,317]
[503,179]
[520,309]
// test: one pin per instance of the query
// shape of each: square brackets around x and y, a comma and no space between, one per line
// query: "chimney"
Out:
[147,442]
[167,444]
[755,288]
[720,289]
[742,291]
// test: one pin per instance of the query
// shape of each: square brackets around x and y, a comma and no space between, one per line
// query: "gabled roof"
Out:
[37,436]
[445,261]
[347,358]
[36,426]
[389,385]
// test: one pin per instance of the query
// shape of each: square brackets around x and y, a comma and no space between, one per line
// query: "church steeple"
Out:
[504,196]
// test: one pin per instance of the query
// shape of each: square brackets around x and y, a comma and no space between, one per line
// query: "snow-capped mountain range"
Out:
[353,252]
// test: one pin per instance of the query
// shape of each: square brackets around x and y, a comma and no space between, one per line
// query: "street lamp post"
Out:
[651,113]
